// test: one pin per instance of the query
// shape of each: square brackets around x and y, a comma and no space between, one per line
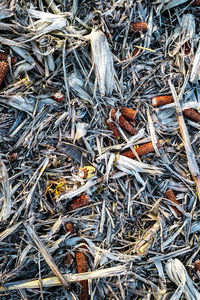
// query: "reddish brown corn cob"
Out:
[13,156]
[82,267]
[162,100]
[69,228]
[187,47]
[113,127]
[4,68]
[135,52]
[138,26]
[142,150]
[192,114]
[195,3]
[128,113]
[4,56]
[81,201]
[59,97]
[171,196]
[197,265]
[123,122]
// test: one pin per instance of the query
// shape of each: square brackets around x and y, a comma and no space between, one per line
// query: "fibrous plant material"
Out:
[171,196]
[192,114]
[145,242]
[138,26]
[142,150]
[87,51]
[47,256]
[4,68]
[122,122]
[162,100]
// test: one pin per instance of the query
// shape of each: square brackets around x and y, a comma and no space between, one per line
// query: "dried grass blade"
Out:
[4,183]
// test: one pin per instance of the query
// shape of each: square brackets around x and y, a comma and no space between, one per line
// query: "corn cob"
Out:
[142,150]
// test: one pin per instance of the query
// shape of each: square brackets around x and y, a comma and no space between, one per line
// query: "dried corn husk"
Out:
[103,62]
[178,274]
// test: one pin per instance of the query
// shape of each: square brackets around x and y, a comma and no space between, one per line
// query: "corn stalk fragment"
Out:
[192,163]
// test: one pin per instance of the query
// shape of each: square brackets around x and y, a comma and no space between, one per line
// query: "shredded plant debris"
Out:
[99,149]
